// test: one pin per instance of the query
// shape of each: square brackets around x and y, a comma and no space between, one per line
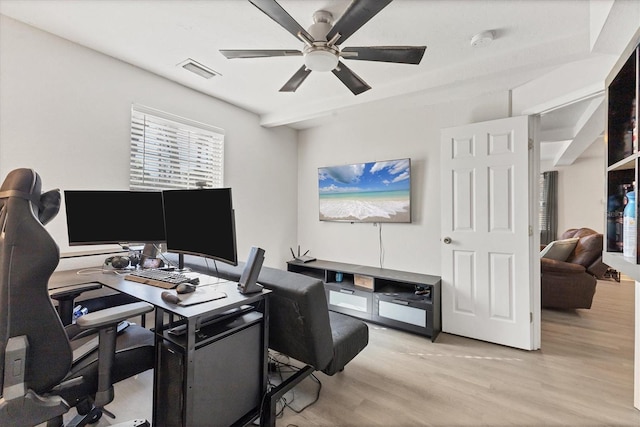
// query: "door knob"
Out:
[447,240]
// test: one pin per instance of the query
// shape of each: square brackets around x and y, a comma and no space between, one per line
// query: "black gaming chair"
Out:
[42,373]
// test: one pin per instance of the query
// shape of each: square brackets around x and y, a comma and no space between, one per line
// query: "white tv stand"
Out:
[379,295]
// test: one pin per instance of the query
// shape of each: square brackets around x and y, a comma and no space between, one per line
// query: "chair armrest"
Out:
[73,290]
[113,315]
[66,297]
[548,265]
[106,322]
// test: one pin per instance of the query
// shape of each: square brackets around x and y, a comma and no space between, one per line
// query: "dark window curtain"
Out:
[548,207]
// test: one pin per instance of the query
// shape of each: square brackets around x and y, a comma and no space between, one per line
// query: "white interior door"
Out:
[487,232]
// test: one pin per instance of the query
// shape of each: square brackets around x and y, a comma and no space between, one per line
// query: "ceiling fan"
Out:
[322,41]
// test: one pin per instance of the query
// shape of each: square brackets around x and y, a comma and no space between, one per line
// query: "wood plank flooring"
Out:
[582,376]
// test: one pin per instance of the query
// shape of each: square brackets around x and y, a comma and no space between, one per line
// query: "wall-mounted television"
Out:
[366,192]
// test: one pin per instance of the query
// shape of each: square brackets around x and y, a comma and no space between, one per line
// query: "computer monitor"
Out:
[119,217]
[201,222]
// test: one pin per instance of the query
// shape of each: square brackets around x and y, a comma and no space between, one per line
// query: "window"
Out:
[171,152]
[548,206]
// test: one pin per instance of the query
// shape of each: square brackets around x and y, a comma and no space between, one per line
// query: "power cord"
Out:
[381,244]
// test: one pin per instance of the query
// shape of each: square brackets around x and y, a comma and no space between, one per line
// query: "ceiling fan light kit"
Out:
[322,43]
[320,60]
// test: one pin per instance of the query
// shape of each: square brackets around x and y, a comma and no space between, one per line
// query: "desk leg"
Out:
[276,393]
[189,374]
[267,409]
[159,325]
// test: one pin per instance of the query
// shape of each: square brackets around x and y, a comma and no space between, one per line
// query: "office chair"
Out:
[42,373]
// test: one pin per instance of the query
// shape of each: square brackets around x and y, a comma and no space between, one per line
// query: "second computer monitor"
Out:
[201,222]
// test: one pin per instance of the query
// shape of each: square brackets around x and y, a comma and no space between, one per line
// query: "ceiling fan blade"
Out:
[356,15]
[350,79]
[397,54]
[264,53]
[274,11]
[297,79]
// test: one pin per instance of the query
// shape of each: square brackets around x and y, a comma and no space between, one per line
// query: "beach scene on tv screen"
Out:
[366,192]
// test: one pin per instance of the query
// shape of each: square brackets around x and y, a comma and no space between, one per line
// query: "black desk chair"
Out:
[42,373]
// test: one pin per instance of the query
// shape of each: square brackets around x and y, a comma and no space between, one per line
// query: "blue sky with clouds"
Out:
[373,176]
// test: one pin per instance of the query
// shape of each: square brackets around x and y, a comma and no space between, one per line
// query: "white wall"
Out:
[65,111]
[386,134]
[581,190]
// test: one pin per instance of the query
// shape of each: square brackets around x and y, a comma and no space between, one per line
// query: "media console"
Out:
[398,299]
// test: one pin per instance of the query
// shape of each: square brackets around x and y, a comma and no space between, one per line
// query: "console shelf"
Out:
[398,299]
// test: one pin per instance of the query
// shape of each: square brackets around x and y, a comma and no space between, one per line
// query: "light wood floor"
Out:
[582,376]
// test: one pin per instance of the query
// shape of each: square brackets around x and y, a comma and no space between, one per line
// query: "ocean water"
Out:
[387,205]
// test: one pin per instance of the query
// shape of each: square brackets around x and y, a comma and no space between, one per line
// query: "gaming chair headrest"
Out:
[26,184]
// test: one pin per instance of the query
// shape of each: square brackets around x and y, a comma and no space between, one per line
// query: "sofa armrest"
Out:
[548,265]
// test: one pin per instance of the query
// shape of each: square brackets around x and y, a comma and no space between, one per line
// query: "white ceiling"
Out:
[532,38]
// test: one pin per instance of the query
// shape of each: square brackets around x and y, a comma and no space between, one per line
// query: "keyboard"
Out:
[160,278]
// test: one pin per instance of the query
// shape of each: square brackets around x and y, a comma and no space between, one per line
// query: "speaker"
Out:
[247,283]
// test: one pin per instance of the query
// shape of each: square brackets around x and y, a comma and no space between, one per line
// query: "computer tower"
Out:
[227,375]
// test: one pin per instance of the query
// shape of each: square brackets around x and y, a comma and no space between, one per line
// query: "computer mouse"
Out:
[185,288]
[170,297]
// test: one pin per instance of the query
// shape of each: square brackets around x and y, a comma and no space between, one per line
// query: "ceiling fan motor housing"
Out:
[320,56]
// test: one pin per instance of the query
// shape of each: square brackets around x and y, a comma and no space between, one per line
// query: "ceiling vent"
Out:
[198,68]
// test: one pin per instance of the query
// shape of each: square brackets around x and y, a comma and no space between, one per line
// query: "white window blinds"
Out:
[171,152]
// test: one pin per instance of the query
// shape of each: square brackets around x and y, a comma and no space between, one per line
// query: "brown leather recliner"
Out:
[572,283]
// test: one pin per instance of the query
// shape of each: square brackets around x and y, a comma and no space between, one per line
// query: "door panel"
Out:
[501,199]
[464,281]
[463,195]
[501,284]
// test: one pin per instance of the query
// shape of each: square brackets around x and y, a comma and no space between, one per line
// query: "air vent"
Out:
[198,68]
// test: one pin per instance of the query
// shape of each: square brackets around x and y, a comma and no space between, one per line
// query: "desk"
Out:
[211,375]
